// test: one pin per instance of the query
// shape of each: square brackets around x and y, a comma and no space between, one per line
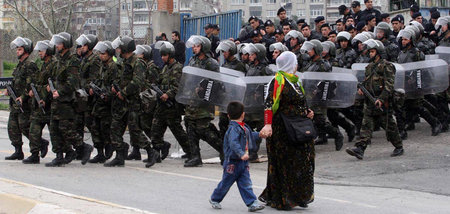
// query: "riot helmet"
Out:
[385,28]
[62,38]
[26,43]
[165,47]
[125,43]
[199,40]
[227,46]
[45,46]
[145,50]
[105,47]
[89,40]
[330,48]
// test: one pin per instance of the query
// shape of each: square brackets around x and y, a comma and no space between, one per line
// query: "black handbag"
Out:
[299,129]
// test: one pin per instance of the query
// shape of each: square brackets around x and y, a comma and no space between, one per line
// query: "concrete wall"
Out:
[164,22]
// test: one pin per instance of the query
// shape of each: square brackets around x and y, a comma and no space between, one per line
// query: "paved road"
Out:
[417,182]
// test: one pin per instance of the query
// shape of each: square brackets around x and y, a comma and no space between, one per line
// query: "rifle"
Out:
[368,94]
[159,93]
[116,87]
[12,94]
[98,91]
[50,84]
[37,98]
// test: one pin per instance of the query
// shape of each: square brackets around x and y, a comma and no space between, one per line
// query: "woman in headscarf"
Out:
[290,179]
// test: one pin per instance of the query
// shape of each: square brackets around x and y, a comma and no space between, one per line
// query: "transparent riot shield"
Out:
[358,70]
[331,90]
[231,72]
[199,87]
[255,92]
[422,77]
[444,53]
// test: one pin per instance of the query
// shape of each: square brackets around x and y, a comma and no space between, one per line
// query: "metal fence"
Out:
[229,23]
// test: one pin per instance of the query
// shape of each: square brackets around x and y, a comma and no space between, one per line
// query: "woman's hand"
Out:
[266,131]
[310,114]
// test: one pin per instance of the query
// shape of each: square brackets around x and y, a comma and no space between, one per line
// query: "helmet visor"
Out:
[101,47]
[440,22]
[224,46]
[42,45]
[370,44]
[18,42]
[306,47]
[164,44]
[82,40]
[250,49]
[139,50]
[407,34]
[276,46]
[117,42]
[193,40]
[57,39]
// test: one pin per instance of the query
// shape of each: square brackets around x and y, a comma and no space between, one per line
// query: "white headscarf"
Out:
[287,62]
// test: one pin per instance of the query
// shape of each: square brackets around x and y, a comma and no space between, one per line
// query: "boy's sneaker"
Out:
[215,205]
[255,207]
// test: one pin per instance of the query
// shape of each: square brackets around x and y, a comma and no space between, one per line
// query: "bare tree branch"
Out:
[66,28]
[70,5]
[53,15]
[41,16]
[23,17]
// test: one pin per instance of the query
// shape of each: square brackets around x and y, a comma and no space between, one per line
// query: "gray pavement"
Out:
[417,182]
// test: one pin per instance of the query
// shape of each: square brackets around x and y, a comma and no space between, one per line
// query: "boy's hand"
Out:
[244,157]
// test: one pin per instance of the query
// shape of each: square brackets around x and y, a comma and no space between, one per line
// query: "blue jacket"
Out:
[235,140]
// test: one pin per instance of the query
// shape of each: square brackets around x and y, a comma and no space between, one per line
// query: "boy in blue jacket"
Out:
[238,139]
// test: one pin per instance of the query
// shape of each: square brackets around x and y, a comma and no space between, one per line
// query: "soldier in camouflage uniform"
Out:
[89,72]
[144,52]
[66,81]
[101,111]
[361,51]
[38,118]
[384,34]
[168,115]
[379,81]
[126,106]
[198,118]
[314,50]
[345,55]
[19,122]
[410,53]
[228,49]
[258,67]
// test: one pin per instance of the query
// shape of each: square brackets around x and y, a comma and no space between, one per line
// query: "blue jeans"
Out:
[235,171]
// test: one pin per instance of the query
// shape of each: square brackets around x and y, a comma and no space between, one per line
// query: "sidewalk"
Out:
[18,197]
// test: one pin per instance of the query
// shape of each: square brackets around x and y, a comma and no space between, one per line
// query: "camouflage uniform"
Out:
[126,112]
[414,107]
[198,118]
[320,113]
[38,118]
[346,57]
[101,110]
[147,114]
[18,122]
[62,123]
[165,116]
[89,72]
[380,82]
[237,65]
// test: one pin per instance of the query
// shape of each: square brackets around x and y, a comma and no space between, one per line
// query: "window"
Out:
[288,13]
[316,1]
[175,4]
[271,13]
[271,1]
[315,12]
[286,1]
[301,1]
[237,1]
[333,15]
[185,5]
[301,13]
[255,1]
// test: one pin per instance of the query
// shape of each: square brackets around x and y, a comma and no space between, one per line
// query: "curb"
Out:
[10,203]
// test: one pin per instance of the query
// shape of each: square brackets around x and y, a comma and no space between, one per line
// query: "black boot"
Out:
[339,142]
[125,149]
[165,150]
[321,140]
[33,159]
[186,156]
[58,161]
[86,151]
[397,151]
[108,151]
[357,151]
[410,126]
[99,158]
[44,147]
[351,133]
[403,134]
[119,160]
[17,155]
[153,155]
[70,156]
[436,129]
[135,154]
[196,159]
